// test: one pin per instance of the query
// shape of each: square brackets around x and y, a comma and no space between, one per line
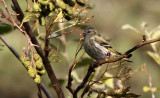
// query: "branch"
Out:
[10,16]
[85,80]
[39,90]
[95,64]
[127,54]
[141,44]
[46,41]
[46,62]
[45,90]
[70,79]
[145,70]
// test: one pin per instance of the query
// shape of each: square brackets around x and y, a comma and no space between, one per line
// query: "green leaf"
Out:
[83,62]
[109,81]
[148,89]
[59,17]
[29,16]
[155,56]
[5,28]
[156,34]
[129,27]
[99,85]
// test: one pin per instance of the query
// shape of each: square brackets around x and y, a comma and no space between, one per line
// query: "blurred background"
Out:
[109,17]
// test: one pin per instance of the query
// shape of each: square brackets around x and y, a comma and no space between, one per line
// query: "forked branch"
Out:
[43,87]
[28,30]
[96,64]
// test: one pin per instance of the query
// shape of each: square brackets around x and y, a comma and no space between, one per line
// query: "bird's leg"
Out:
[108,55]
[93,65]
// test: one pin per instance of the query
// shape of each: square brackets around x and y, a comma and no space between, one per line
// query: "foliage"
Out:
[52,20]
[5,28]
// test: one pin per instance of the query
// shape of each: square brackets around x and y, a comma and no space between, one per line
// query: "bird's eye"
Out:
[89,32]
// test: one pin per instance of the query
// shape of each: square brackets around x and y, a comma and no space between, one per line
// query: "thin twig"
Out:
[3,15]
[46,40]
[39,90]
[70,79]
[90,70]
[10,47]
[141,44]
[10,16]
[45,90]
[64,43]
[149,79]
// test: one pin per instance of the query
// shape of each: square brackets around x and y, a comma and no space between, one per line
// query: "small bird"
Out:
[96,46]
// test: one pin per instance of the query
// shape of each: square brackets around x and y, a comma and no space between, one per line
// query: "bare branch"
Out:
[45,90]
[95,64]
[39,90]
[70,79]
[141,44]
[145,70]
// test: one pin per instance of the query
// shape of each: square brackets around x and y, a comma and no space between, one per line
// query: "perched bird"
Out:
[96,46]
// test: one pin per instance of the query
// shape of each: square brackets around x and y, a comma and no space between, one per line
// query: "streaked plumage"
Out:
[96,46]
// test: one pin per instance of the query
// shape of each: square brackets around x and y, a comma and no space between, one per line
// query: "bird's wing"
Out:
[104,43]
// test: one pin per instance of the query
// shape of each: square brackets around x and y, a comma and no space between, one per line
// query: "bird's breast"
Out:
[95,50]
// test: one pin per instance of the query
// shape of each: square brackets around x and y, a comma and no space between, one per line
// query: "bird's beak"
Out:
[84,34]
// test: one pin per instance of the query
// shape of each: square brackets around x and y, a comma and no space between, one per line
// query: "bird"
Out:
[96,46]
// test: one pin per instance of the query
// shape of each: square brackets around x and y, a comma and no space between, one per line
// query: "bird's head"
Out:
[90,32]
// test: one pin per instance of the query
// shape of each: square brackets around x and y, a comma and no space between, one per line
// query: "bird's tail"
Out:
[127,59]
